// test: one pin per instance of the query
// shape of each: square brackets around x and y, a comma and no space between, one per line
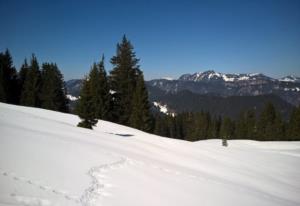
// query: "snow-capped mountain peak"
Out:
[168,78]
[290,78]
[212,75]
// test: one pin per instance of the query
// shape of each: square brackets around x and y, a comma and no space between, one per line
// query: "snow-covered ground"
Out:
[46,160]
[71,98]
[163,108]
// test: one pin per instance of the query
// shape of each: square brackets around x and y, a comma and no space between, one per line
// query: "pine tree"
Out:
[215,127]
[241,131]
[293,131]
[53,92]
[2,85]
[140,117]
[22,75]
[123,80]
[266,122]
[197,132]
[100,90]
[251,124]
[278,132]
[31,89]
[227,130]
[8,79]
[85,107]
[179,127]
[161,126]
[189,125]
[157,125]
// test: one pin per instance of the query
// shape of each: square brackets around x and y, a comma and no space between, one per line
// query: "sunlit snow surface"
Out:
[46,160]
[71,98]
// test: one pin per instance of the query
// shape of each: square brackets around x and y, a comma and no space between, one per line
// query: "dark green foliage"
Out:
[28,87]
[241,127]
[231,106]
[123,79]
[100,90]
[8,79]
[246,125]
[95,99]
[129,105]
[53,93]
[270,125]
[2,86]
[85,107]
[227,129]
[216,127]
[23,72]
[293,131]
[187,126]
[161,126]
[140,117]
[251,124]
[32,85]
[123,98]
[279,129]
[22,75]
[203,125]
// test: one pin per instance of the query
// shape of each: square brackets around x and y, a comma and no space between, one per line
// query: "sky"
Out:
[170,37]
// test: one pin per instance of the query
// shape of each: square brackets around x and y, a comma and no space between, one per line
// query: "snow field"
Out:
[46,160]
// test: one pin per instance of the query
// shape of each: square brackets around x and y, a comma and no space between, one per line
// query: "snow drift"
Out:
[46,160]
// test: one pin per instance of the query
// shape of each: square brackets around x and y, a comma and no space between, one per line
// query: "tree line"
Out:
[266,126]
[32,85]
[121,97]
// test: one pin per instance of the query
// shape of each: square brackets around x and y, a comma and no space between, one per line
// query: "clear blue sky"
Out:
[170,37]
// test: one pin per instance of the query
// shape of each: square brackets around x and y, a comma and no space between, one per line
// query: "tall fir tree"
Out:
[215,127]
[278,132]
[2,87]
[85,107]
[161,126]
[123,80]
[293,131]
[22,76]
[53,91]
[31,89]
[157,125]
[8,79]
[179,127]
[241,130]
[100,90]
[266,123]
[251,124]
[140,117]
[227,128]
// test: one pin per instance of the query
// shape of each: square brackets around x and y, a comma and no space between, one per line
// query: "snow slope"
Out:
[46,160]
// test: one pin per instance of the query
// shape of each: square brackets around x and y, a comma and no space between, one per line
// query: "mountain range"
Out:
[219,93]
[224,85]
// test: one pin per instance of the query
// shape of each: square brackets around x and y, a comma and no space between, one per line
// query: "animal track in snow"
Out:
[40,186]
[98,188]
